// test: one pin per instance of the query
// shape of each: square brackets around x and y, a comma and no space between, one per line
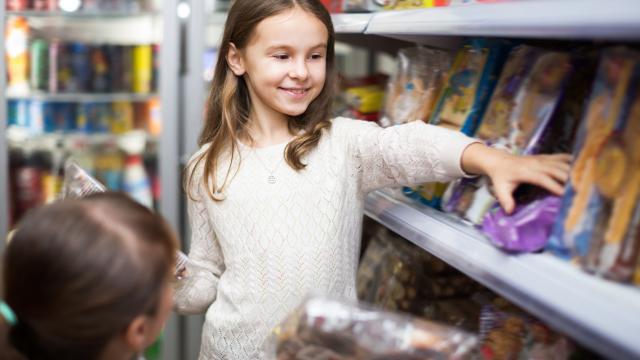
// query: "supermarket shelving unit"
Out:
[600,314]
[168,141]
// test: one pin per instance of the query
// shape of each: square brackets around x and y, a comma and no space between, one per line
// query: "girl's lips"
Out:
[296,93]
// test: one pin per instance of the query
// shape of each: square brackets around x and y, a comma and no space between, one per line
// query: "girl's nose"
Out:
[299,70]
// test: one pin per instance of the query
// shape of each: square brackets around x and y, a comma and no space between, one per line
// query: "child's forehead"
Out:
[291,28]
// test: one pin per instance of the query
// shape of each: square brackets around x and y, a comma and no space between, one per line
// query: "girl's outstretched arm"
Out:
[507,171]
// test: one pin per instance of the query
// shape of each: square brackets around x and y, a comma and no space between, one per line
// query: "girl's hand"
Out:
[508,171]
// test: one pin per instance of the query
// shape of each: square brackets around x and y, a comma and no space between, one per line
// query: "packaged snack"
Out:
[508,333]
[464,98]
[323,328]
[571,235]
[521,107]
[616,170]
[412,92]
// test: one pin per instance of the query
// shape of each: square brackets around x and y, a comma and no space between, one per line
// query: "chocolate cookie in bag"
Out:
[324,328]
[413,90]
[614,246]
[571,234]
[78,183]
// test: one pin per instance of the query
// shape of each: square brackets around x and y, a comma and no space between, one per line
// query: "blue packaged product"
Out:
[572,233]
[18,111]
[36,116]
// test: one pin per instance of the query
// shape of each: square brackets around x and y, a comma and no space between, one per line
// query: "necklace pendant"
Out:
[271,179]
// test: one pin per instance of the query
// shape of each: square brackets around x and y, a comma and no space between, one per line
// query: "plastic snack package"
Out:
[78,183]
[413,90]
[324,328]
[614,245]
[527,229]
[508,333]
[522,105]
[463,100]
[413,4]
[582,202]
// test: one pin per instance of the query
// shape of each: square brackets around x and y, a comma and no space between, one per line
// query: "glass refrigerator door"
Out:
[92,81]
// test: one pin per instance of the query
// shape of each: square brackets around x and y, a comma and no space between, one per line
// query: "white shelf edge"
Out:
[568,19]
[82,97]
[350,23]
[600,314]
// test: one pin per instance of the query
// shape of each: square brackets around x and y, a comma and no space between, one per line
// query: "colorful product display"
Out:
[599,218]
[529,89]
[463,100]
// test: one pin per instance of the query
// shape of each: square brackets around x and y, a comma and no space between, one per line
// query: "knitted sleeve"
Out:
[197,290]
[407,154]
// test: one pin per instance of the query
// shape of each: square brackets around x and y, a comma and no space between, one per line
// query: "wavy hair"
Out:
[229,104]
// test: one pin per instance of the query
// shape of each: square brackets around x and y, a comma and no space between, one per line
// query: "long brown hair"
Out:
[77,272]
[229,103]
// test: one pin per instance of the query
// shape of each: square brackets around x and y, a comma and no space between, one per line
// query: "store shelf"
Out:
[83,14]
[600,314]
[82,97]
[568,19]
[350,23]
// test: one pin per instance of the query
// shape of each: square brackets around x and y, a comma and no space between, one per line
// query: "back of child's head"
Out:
[229,103]
[77,272]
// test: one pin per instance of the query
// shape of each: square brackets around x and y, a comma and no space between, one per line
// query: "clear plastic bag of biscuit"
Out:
[326,328]
[78,183]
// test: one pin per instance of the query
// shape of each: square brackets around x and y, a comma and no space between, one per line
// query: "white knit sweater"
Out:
[267,246]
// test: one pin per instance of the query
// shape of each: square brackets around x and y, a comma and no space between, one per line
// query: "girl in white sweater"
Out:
[276,191]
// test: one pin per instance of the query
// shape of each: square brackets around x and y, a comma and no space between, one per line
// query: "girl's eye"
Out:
[316,56]
[281,56]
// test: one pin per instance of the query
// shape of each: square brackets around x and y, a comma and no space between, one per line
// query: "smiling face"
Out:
[284,63]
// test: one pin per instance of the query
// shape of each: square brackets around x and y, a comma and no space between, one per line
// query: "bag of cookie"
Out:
[324,328]
[583,202]
[522,105]
[412,91]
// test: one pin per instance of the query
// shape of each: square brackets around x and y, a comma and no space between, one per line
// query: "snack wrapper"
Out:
[525,98]
[78,183]
[599,165]
[324,328]
[413,90]
[527,229]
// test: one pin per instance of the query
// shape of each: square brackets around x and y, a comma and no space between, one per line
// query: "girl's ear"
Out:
[136,333]
[234,59]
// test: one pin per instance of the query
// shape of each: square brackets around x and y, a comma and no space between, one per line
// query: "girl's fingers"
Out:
[505,198]
[557,173]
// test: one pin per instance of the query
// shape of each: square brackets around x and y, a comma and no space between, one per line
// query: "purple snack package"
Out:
[527,229]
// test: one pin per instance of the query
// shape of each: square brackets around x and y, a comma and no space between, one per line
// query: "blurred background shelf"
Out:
[82,97]
[594,311]
[84,14]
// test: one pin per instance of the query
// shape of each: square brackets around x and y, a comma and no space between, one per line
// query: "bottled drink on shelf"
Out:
[142,69]
[39,64]
[17,52]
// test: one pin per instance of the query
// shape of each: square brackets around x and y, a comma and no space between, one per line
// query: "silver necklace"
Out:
[271,178]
